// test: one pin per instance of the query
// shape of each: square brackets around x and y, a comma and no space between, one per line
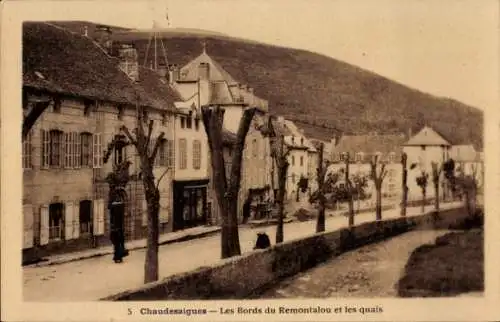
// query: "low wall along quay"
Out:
[244,276]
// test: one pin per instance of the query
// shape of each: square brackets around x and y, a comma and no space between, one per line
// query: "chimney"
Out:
[103,37]
[204,71]
[128,61]
[162,70]
[173,73]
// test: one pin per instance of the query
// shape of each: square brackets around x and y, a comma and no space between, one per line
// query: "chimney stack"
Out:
[173,73]
[103,37]
[162,70]
[128,61]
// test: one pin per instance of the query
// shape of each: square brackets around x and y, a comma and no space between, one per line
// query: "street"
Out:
[94,278]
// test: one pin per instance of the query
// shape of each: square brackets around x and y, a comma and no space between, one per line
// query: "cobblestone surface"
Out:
[370,271]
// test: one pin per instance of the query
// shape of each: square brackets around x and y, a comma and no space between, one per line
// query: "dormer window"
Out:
[56,106]
[189,122]
[301,141]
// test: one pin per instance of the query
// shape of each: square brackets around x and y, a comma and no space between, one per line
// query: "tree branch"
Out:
[150,132]
[156,147]
[127,133]
[243,129]
[161,177]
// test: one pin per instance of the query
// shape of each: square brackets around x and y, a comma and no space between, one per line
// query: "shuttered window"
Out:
[196,154]
[97,150]
[182,154]
[86,149]
[27,146]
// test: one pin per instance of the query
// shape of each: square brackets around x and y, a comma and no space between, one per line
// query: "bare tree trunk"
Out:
[404,201]
[423,199]
[321,173]
[350,203]
[378,207]
[436,190]
[153,202]
[281,203]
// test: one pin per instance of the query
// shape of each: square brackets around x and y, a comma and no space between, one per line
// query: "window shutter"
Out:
[28,226]
[101,216]
[45,147]
[44,225]
[144,212]
[96,150]
[76,220]
[69,216]
[67,153]
[77,150]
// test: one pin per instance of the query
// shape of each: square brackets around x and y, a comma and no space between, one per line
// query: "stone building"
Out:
[94,89]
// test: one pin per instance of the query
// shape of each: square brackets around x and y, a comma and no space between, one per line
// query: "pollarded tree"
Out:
[404,201]
[436,175]
[377,174]
[226,190]
[321,172]
[422,181]
[350,189]
[147,148]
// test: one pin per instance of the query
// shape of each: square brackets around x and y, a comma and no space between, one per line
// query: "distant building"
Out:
[302,158]
[468,161]
[361,150]
[202,81]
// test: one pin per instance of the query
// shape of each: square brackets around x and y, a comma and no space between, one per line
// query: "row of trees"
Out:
[227,189]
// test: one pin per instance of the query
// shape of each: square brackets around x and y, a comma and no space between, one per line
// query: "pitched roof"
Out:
[228,137]
[158,89]
[189,72]
[369,145]
[58,60]
[427,136]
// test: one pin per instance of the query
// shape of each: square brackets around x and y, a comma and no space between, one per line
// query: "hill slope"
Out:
[322,94]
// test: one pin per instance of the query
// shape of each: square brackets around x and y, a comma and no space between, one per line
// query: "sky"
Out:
[446,48]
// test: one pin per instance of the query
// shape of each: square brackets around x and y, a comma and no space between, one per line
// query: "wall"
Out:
[230,279]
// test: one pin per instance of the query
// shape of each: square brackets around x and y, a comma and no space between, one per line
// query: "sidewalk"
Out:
[98,277]
[168,238]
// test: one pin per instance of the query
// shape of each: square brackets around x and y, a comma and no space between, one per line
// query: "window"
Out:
[197,124]
[293,160]
[183,122]
[85,216]
[121,112]
[301,160]
[69,150]
[77,150]
[196,154]
[161,155]
[170,153]
[86,142]
[182,154]
[392,157]
[359,157]
[293,140]
[27,152]
[164,119]
[87,107]
[189,122]
[55,148]
[293,177]
[56,224]
[120,155]
[344,156]
[56,106]
[145,115]
[301,141]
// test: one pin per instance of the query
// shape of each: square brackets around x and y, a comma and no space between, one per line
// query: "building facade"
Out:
[65,195]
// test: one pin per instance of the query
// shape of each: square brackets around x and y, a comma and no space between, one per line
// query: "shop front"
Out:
[190,204]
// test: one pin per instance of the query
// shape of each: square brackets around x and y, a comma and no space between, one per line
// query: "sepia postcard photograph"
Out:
[216,160]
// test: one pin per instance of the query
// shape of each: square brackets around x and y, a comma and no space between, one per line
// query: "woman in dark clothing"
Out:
[246,209]
[117,210]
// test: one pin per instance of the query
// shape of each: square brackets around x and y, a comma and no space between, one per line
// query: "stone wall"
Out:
[249,274]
